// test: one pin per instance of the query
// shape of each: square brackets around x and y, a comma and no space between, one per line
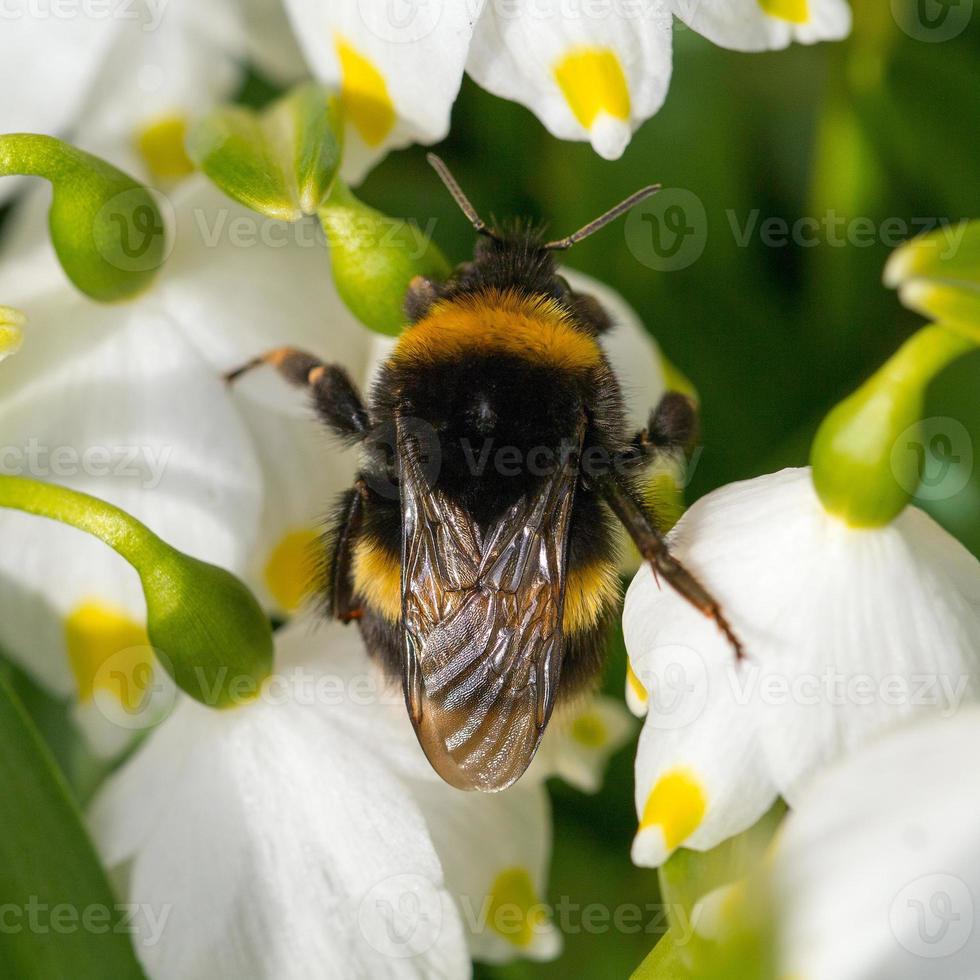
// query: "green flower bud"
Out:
[951,254]
[105,227]
[216,641]
[11,330]
[938,275]
[374,258]
[280,162]
[860,472]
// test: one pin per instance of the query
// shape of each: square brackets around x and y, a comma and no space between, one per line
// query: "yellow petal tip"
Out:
[674,810]
[364,95]
[793,11]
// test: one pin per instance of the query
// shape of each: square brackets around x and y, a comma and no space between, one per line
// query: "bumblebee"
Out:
[476,551]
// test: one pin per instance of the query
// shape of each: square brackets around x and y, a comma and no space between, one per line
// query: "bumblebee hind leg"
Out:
[334,396]
[653,548]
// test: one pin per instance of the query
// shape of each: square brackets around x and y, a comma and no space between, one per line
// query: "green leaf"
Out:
[281,161]
[60,918]
[106,228]
[374,258]
[206,627]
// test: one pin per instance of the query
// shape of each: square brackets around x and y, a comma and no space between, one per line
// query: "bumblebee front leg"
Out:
[335,398]
[653,548]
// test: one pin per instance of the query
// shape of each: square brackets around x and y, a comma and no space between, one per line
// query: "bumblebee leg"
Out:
[334,396]
[672,427]
[653,548]
[347,524]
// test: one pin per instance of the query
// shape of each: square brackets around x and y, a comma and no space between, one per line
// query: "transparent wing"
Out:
[481,623]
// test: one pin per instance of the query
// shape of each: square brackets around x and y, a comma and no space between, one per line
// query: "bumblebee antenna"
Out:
[458,196]
[611,215]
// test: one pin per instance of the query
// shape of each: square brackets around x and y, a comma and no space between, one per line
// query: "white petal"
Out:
[588,74]
[277,846]
[847,631]
[757,25]
[49,61]
[168,59]
[89,403]
[878,869]
[398,66]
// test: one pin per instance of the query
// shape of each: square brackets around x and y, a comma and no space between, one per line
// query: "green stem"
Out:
[121,532]
[210,633]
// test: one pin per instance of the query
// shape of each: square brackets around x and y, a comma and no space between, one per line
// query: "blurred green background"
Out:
[872,135]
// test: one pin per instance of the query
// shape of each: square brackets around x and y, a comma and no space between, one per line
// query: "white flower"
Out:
[759,25]
[132,74]
[847,632]
[877,873]
[305,834]
[588,71]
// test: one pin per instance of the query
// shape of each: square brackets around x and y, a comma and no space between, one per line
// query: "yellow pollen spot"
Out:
[110,652]
[589,729]
[635,684]
[593,82]
[11,330]
[364,94]
[795,11]
[160,143]
[495,321]
[516,912]
[289,570]
[676,804]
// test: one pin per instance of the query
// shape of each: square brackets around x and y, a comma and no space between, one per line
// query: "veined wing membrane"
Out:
[481,618]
